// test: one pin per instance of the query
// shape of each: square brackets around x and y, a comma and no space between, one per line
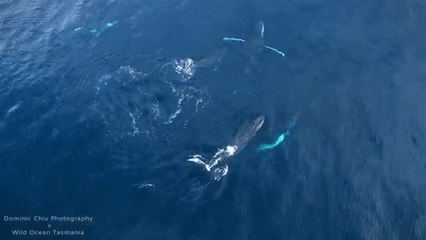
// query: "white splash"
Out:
[231,150]
[184,67]
[221,155]
[103,81]
[185,95]
[178,110]
[143,106]
[144,185]
[135,128]
[130,70]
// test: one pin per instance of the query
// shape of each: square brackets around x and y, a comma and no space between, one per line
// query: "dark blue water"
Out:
[98,116]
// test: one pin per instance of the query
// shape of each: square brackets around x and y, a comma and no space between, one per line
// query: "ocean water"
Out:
[102,103]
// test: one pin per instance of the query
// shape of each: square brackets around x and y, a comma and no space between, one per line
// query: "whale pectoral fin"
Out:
[233,39]
[282,54]
[197,159]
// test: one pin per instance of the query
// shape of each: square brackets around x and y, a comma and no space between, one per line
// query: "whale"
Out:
[217,164]
[256,43]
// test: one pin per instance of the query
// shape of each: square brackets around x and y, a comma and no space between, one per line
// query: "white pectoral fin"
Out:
[233,39]
[198,159]
[282,54]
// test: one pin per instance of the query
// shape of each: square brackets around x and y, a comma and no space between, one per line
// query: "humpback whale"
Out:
[217,164]
[257,42]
